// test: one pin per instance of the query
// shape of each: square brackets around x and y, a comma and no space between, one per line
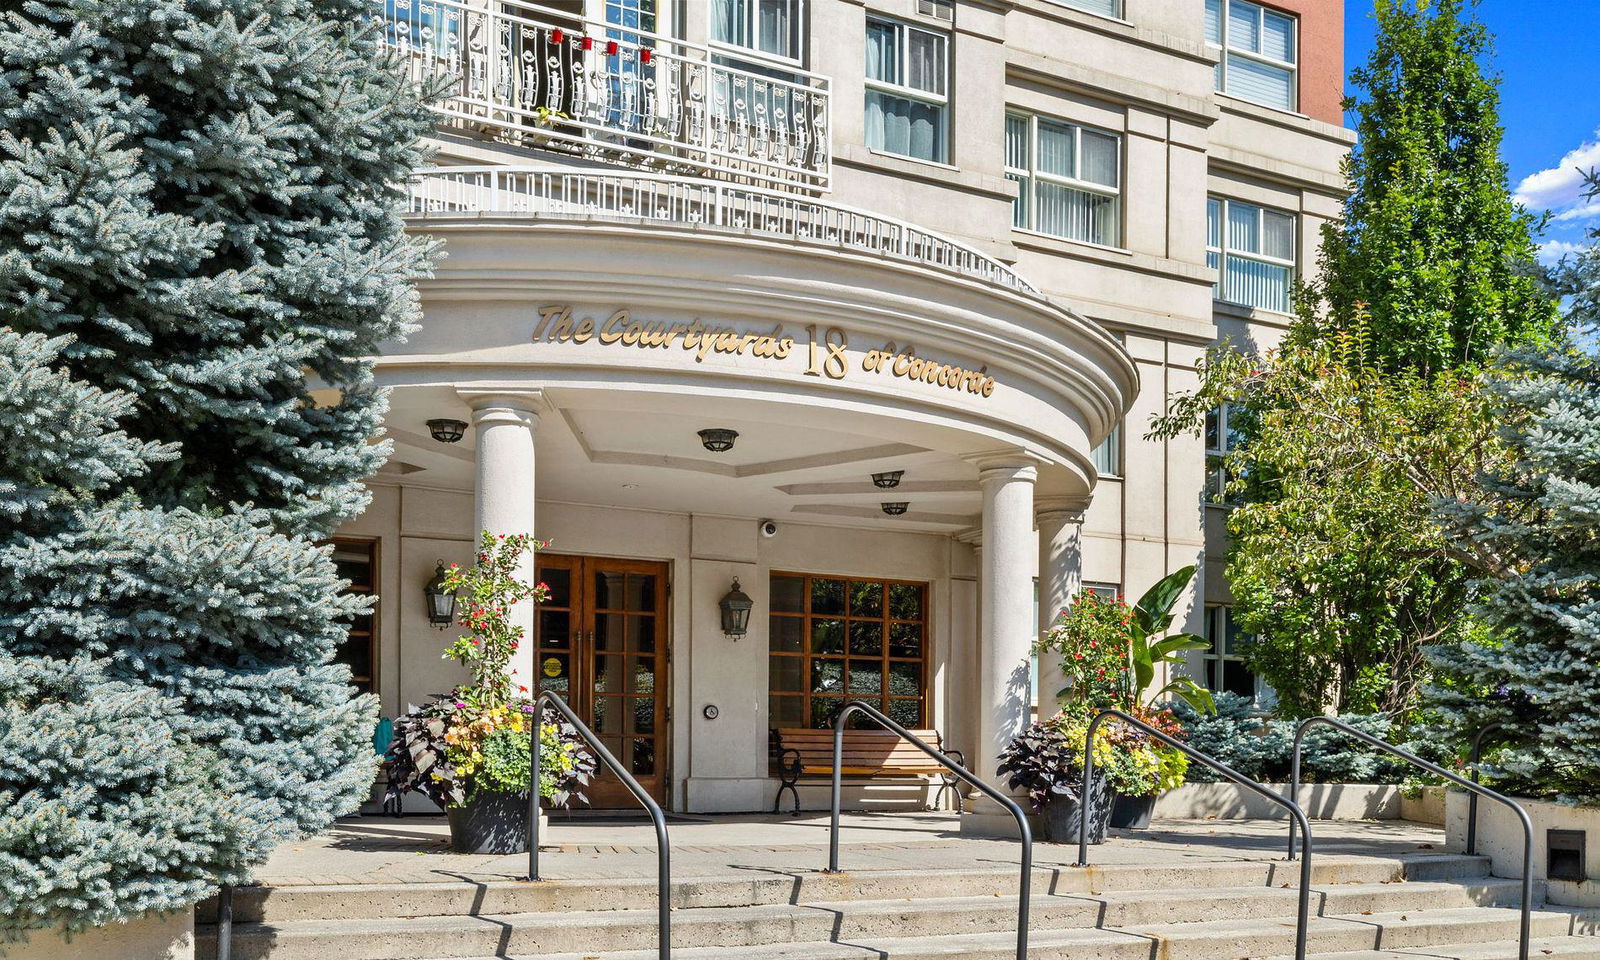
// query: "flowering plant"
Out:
[1138,764]
[1091,636]
[477,737]
[488,591]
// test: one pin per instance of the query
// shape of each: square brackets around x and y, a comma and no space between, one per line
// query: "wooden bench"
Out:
[803,752]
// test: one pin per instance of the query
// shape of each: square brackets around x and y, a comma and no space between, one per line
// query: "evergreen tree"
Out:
[1541,515]
[1431,248]
[198,228]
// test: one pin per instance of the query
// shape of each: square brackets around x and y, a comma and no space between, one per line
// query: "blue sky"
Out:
[1550,103]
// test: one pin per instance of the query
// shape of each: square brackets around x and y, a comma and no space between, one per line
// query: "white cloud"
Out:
[1561,189]
[1552,251]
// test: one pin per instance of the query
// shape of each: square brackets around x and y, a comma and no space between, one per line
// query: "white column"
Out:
[1060,523]
[503,428]
[1006,581]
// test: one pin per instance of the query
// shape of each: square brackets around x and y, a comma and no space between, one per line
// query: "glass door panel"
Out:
[601,644]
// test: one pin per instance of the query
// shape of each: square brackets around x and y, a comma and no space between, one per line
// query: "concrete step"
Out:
[847,921]
[1124,945]
[379,901]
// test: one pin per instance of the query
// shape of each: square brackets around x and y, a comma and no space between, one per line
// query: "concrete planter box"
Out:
[1500,839]
[1427,806]
[151,937]
[1321,801]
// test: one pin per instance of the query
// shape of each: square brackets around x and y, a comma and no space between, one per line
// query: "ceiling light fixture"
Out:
[447,431]
[718,439]
[895,507]
[888,479]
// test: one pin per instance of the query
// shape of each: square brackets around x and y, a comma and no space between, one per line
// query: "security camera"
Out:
[769,529]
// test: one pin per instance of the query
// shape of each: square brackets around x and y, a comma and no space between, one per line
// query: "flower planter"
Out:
[1061,817]
[1133,813]
[492,823]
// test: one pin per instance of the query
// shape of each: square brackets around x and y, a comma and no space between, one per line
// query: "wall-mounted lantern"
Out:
[736,606]
[441,602]
[447,431]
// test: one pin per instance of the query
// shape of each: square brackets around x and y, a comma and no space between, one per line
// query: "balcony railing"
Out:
[564,192]
[529,75]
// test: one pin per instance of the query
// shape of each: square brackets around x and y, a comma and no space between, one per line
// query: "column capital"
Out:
[971,536]
[1059,511]
[1013,463]
[529,400]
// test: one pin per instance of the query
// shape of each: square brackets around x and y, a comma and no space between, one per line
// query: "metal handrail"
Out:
[225,922]
[1296,815]
[1472,798]
[664,859]
[858,706]
[1438,771]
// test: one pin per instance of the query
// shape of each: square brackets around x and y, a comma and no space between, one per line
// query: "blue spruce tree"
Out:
[198,229]
[1541,521]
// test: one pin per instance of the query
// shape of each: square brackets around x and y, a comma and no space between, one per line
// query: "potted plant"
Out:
[468,750]
[1141,768]
[1046,761]
[1110,654]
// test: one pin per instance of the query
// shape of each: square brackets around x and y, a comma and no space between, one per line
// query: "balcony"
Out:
[553,192]
[534,76]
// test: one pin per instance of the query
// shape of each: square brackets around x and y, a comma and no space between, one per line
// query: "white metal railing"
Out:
[551,191]
[531,75]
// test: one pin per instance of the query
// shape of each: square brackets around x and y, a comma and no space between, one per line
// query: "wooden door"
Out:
[601,643]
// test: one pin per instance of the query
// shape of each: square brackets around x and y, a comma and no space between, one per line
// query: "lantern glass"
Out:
[441,602]
[736,606]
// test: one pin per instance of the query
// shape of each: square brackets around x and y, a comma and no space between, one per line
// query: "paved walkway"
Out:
[416,849]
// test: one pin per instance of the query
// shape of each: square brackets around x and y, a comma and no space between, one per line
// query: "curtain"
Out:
[882,60]
[1098,163]
[925,61]
[1055,150]
[728,22]
[775,26]
[1260,82]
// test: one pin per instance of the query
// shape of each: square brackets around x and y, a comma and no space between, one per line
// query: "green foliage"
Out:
[1338,564]
[1540,513]
[1109,651]
[1152,647]
[451,748]
[1091,639]
[1263,749]
[491,588]
[1431,255]
[200,227]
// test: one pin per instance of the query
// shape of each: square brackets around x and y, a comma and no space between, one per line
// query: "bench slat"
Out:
[865,753]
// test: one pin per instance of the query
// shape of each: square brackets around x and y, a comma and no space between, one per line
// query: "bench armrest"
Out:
[790,762]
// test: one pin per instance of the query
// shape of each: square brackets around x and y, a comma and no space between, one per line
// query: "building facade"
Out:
[863,304]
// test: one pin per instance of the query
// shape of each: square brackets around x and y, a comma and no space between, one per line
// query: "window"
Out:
[1109,8]
[1105,591]
[1252,250]
[1108,455]
[833,639]
[1257,50]
[1222,437]
[1068,179]
[357,562]
[907,100]
[768,26]
[1223,662]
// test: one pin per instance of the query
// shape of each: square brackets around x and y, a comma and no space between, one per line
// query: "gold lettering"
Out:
[546,314]
[614,327]
[584,332]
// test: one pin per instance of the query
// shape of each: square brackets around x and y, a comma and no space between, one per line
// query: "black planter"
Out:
[1062,817]
[1133,813]
[490,823]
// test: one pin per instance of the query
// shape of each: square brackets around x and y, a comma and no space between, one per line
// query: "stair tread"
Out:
[1436,916]
[1575,947]
[1001,900]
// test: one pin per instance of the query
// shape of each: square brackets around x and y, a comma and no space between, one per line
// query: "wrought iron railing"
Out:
[663,853]
[530,75]
[1025,890]
[1438,771]
[1296,815]
[556,192]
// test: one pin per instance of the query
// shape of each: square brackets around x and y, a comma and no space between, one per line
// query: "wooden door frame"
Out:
[582,650]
